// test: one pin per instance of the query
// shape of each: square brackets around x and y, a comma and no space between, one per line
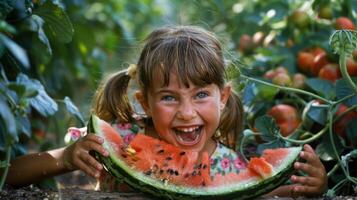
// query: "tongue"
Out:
[188,136]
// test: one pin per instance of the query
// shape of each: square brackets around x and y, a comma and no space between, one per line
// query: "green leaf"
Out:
[71,108]
[267,92]
[24,125]
[318,113]
[41,34]
[44,104]
[15,49]
[344,89]
[5,8]
[321,87]
[7,122]
[351,129]
[5,27]
[323,154]
[18,88]
[325,150]
[266,125]
[344,41]
[277,143]
[56,20]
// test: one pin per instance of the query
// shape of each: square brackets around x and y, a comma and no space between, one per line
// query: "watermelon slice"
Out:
[163,170]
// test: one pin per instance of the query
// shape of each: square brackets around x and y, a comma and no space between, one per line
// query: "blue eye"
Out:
[168,98]
[201,95]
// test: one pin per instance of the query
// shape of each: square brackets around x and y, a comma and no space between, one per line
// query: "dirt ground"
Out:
[77,186]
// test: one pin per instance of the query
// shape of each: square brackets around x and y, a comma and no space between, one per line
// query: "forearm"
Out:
[32,168]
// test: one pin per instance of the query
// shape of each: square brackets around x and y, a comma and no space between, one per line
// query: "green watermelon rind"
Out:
[147,184]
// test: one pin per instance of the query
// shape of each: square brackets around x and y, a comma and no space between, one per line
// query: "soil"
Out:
[77,186]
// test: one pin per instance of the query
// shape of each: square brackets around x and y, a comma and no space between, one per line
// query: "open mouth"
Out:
[188,136]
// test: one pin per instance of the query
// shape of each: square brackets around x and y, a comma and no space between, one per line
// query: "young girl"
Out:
[182,90]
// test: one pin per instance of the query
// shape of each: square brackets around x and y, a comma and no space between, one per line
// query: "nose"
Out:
[186,111]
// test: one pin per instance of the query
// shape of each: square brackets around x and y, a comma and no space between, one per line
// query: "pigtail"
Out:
[231,124]
[111,101]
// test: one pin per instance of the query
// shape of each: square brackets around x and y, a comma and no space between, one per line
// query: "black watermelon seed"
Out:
[161,171]
[169,158]
[194,173]
[148,173]
[204,166]
[176,173]
[199,166]
[161,151]
[203,183]
[199,173]
[182,153]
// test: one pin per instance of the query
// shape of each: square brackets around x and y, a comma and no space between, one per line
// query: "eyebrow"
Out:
[165,90]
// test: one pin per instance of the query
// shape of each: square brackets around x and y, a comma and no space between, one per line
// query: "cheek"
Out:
[162,117]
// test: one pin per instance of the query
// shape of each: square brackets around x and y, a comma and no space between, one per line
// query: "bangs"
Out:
[193,59]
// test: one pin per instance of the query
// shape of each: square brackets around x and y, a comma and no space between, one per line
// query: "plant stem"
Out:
[330,116]
[7,159]
[308,140]
[333,169]
[344,72]
[287,88]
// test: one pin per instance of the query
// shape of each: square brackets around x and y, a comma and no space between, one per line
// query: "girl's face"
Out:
[185,117]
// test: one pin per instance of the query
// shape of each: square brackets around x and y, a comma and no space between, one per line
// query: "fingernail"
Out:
[302,153]
[96,175]
[296,164]
[99,167]
[101,140]
[106,153]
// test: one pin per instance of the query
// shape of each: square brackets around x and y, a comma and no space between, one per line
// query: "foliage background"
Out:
[54,53]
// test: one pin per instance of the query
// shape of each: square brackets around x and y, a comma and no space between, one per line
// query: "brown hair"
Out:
[192,53]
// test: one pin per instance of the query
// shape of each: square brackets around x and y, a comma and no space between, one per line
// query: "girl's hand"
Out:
[316,182]
[76,156]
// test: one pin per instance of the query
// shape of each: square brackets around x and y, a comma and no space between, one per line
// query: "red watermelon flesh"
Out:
[159,159]
[168,163]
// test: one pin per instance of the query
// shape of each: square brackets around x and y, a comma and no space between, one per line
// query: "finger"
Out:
[305,180]
[94,138]
[83,129]
[308,148]
[89,160]
[305,190]
[87,169]
[306,167]
[89,145]
[310,158]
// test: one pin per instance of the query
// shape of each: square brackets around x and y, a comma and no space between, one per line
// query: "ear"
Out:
[225,93]
[143,102]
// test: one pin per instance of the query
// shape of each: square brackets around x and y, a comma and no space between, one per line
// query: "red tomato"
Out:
[351,67]
[299,80]
[305,61]
[270,74]
[246,44]
[344,23]
[39,134]
[300,18]
[286,117]
[282,79]
[329,72]
[340,125]
[319,61]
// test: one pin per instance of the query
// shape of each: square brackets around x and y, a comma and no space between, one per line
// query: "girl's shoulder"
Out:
[127,130]
[225,160]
